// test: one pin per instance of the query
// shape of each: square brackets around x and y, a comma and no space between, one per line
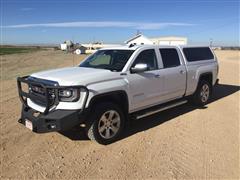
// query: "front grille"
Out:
[38,91]
[39,96]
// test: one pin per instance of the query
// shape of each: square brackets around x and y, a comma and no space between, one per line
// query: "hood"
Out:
[76,75]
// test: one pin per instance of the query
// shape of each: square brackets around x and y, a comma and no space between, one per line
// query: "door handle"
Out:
[157,75]
[182,72]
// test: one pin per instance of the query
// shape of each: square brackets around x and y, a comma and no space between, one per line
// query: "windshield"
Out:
[113,60]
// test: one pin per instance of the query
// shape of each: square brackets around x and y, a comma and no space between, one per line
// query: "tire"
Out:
[106,123]
[203,93]
[78,51]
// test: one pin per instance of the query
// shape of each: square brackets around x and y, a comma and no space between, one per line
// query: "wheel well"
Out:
[207,77]
[118,97]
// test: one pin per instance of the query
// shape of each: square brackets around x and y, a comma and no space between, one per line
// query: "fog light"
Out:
[52,126]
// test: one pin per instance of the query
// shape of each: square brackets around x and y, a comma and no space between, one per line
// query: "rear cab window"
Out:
[193,54]
[170,57]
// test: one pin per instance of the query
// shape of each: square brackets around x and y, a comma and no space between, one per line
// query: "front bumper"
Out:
[58,120]
[48,121]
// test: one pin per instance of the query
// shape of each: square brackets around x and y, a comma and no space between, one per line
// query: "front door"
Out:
[146,87]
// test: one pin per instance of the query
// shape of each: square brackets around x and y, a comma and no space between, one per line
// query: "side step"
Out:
[159,108]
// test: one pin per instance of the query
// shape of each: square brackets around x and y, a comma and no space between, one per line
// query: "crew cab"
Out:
[114,85]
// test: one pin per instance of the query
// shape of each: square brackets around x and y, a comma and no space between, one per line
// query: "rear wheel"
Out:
[106,123]
[203,93]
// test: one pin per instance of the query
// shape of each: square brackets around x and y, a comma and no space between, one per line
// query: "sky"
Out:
[112,21]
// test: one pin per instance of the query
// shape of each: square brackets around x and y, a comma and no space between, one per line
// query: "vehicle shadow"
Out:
[135,126]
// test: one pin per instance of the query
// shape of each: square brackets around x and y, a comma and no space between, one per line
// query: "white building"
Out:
[138,40]
[171,40]
[66,45]
[93,47]
[63,46]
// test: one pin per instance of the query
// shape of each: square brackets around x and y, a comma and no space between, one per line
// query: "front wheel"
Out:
[203,93]
[106,123]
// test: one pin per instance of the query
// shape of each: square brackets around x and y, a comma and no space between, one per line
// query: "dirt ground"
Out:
[181,143]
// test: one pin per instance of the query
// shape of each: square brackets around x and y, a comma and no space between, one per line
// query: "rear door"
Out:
[174,73]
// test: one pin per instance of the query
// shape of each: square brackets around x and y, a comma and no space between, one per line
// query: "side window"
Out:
[198,54]
[147,57]
[170,57]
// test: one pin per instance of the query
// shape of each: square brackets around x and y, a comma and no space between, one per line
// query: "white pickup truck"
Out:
[116,84]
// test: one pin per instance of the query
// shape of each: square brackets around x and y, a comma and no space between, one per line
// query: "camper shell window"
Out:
[198,54]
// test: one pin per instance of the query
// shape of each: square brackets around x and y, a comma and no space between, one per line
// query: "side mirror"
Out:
[138,68]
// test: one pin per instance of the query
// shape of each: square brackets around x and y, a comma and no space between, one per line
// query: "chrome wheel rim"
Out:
[204,93]
[109,124]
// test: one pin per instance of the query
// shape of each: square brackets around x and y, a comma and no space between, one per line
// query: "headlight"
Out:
[69,95]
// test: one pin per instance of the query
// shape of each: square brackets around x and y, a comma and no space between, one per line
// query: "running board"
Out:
[169,106]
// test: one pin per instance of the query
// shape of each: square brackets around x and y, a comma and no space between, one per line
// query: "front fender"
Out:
[106,87]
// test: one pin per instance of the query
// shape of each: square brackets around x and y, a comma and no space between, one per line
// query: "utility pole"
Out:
[138,32]
[210,42]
